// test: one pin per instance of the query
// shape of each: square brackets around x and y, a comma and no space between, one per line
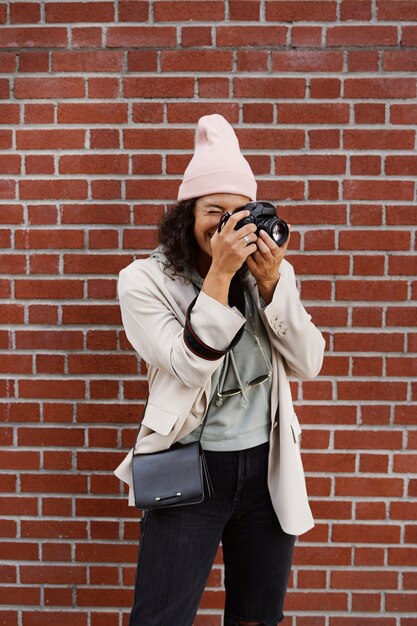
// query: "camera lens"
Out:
[276,228]
[279,233]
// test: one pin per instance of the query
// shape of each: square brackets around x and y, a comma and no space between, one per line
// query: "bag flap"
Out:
[160,420]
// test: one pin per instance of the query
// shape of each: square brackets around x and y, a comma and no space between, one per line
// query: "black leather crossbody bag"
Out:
[173,477]
[179,476]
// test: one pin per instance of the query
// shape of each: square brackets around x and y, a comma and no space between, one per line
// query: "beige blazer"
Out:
[153,305]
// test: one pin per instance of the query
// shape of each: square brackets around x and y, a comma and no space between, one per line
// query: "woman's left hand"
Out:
[264,264]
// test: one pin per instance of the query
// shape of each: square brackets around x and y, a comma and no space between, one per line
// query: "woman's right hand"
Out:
[229,251]
[229,248]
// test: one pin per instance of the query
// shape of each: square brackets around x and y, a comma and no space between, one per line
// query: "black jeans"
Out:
[178,546]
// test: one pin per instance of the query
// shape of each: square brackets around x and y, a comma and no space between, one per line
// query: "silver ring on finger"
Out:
[247,239]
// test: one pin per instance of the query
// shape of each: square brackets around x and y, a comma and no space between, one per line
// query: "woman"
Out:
[251,437]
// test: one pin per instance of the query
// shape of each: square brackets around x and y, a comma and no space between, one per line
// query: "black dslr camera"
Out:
[263,215]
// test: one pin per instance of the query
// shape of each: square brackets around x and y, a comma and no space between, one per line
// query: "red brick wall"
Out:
[98,105]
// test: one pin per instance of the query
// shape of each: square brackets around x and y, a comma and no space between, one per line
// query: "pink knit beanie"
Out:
[217,165]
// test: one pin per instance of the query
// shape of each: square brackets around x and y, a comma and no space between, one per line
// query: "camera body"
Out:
[263,215]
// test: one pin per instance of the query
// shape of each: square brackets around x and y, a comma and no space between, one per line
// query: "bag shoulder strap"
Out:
[236,298]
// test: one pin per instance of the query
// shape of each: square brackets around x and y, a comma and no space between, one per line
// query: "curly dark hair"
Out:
[176,235]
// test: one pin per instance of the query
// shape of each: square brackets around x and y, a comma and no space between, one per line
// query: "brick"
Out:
[88,263]
[363,61]
[48,289]
[103,239]
[371,487]
[403,510]
[198,61]
[364,265]
[402,556]
[371,579]
[21,595]
[90,113]
[160,87]
[142,61]
[72,618]
[403,114]
[252,61]
[146,239]
[306,164]
[402,10]
[86,37]
[374,414]
[405,463]
[369,556]
[133,11]
[323,190]
[147,36]
[372,463]
[270,88]
[325,88]
[52,388]
[257,113]
[59,483]
[183,11]
[361,35]
[368,440]
[316,601]
[380,88]
[361,214]
[313,114]
[49,87]
[50,139]
[95,214]
[335,463]
[306,36]
[366,164]
[376,290]
[357,390]
[358,10]
[79,12]
[44,264]
[401,265]
[157,138]
[307,61]
[37,37]
[91,61]
[38,114]
[406,165]
[260,138]
[400,316]
[323,139]
[378,190]
[409,36]
[305,262]
[94,164]
[300,10]
[109,364]
[48,436]
[91,314]
[356,139]
[48,238]
[65,189]
[235,36]
[319,240]
[401,602]
[13,263]
[399,61]
[244,10]
[215,87]
[196,36]
[375,240]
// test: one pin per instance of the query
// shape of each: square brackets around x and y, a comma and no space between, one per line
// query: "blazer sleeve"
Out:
[156,334]
[294,335]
